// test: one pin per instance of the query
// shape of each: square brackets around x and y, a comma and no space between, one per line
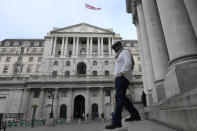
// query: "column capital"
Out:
[135,13]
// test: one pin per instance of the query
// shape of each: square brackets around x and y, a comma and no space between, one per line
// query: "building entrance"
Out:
[63,111]
[79,106]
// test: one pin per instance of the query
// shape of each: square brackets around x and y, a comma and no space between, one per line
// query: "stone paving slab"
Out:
[143,125]
[146,125]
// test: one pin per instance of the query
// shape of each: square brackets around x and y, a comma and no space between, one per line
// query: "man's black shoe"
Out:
[133,119]
[113,126]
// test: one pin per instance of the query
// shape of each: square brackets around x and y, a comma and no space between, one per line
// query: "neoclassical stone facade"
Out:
[167,37]
[77,65]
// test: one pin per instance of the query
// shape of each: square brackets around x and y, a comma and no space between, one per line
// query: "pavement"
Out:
[144,125]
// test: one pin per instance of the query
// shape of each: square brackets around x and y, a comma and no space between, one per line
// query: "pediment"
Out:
[83,27]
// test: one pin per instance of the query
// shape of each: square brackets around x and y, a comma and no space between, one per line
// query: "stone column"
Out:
[54,46]
[57,101]
[156,39]
[99,50]
[113,52]
[144,74]
[181,43]
[62,47]
[90,46]
[65,47]
[101,107]
[101,46]
[87,105]
[77,48]
[41,102]
[191,9]
[87,47]
[73,50]
[70,106]
[180,37]
[112,99]
[146,50]
[109,46]
[25,102]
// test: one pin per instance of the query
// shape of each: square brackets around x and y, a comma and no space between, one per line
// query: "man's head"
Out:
[117,46]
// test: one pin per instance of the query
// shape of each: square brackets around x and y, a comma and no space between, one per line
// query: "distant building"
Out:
[75,62]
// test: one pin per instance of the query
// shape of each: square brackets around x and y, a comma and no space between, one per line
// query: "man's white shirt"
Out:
[123,64]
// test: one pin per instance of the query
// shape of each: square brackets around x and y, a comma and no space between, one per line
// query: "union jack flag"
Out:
[91,7]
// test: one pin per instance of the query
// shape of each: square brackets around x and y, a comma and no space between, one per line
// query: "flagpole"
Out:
[85,14]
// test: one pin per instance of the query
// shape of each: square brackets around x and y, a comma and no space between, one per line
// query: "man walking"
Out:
[123,77]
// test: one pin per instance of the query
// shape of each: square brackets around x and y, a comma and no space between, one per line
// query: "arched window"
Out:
[81,68]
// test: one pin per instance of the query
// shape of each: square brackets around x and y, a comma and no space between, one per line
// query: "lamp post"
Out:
[52,96]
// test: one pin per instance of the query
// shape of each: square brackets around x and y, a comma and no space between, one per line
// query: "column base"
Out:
[160,90]
[180,78]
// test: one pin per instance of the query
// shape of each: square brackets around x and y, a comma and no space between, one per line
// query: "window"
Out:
[15,43]
[140,67]
[94,73]
[20,58]
[5,69]
[29,68]
[67,63]
[36,43]
[94,93]
[8,59]
[94,63]
[106,73]
[54,73]
[59,53]
[38,68]
[83,51]
[39,59]
[21,50]
[7,43]
[36,93]
[107,93]
[70,53]
[18,67]
[0,59]
[138,58]
[106,62]
[55,63]
[63,93]
[31,59]
[67,73]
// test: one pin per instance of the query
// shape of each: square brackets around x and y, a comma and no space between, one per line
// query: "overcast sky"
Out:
[34,18]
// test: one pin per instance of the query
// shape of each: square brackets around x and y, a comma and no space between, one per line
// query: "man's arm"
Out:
[126,56]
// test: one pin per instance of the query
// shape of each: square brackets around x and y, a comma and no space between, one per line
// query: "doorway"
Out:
[79,106]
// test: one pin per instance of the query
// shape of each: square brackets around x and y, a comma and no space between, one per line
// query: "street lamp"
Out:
[52,96]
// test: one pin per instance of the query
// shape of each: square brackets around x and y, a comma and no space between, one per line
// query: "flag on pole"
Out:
[91,7]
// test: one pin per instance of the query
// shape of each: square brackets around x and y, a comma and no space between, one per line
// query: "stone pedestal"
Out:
[50,122]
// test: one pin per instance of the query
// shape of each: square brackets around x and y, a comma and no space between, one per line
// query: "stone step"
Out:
[124,128]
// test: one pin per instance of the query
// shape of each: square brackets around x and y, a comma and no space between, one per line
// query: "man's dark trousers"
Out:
[121,86]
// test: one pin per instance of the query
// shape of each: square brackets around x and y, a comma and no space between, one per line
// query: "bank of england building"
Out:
[75,64]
